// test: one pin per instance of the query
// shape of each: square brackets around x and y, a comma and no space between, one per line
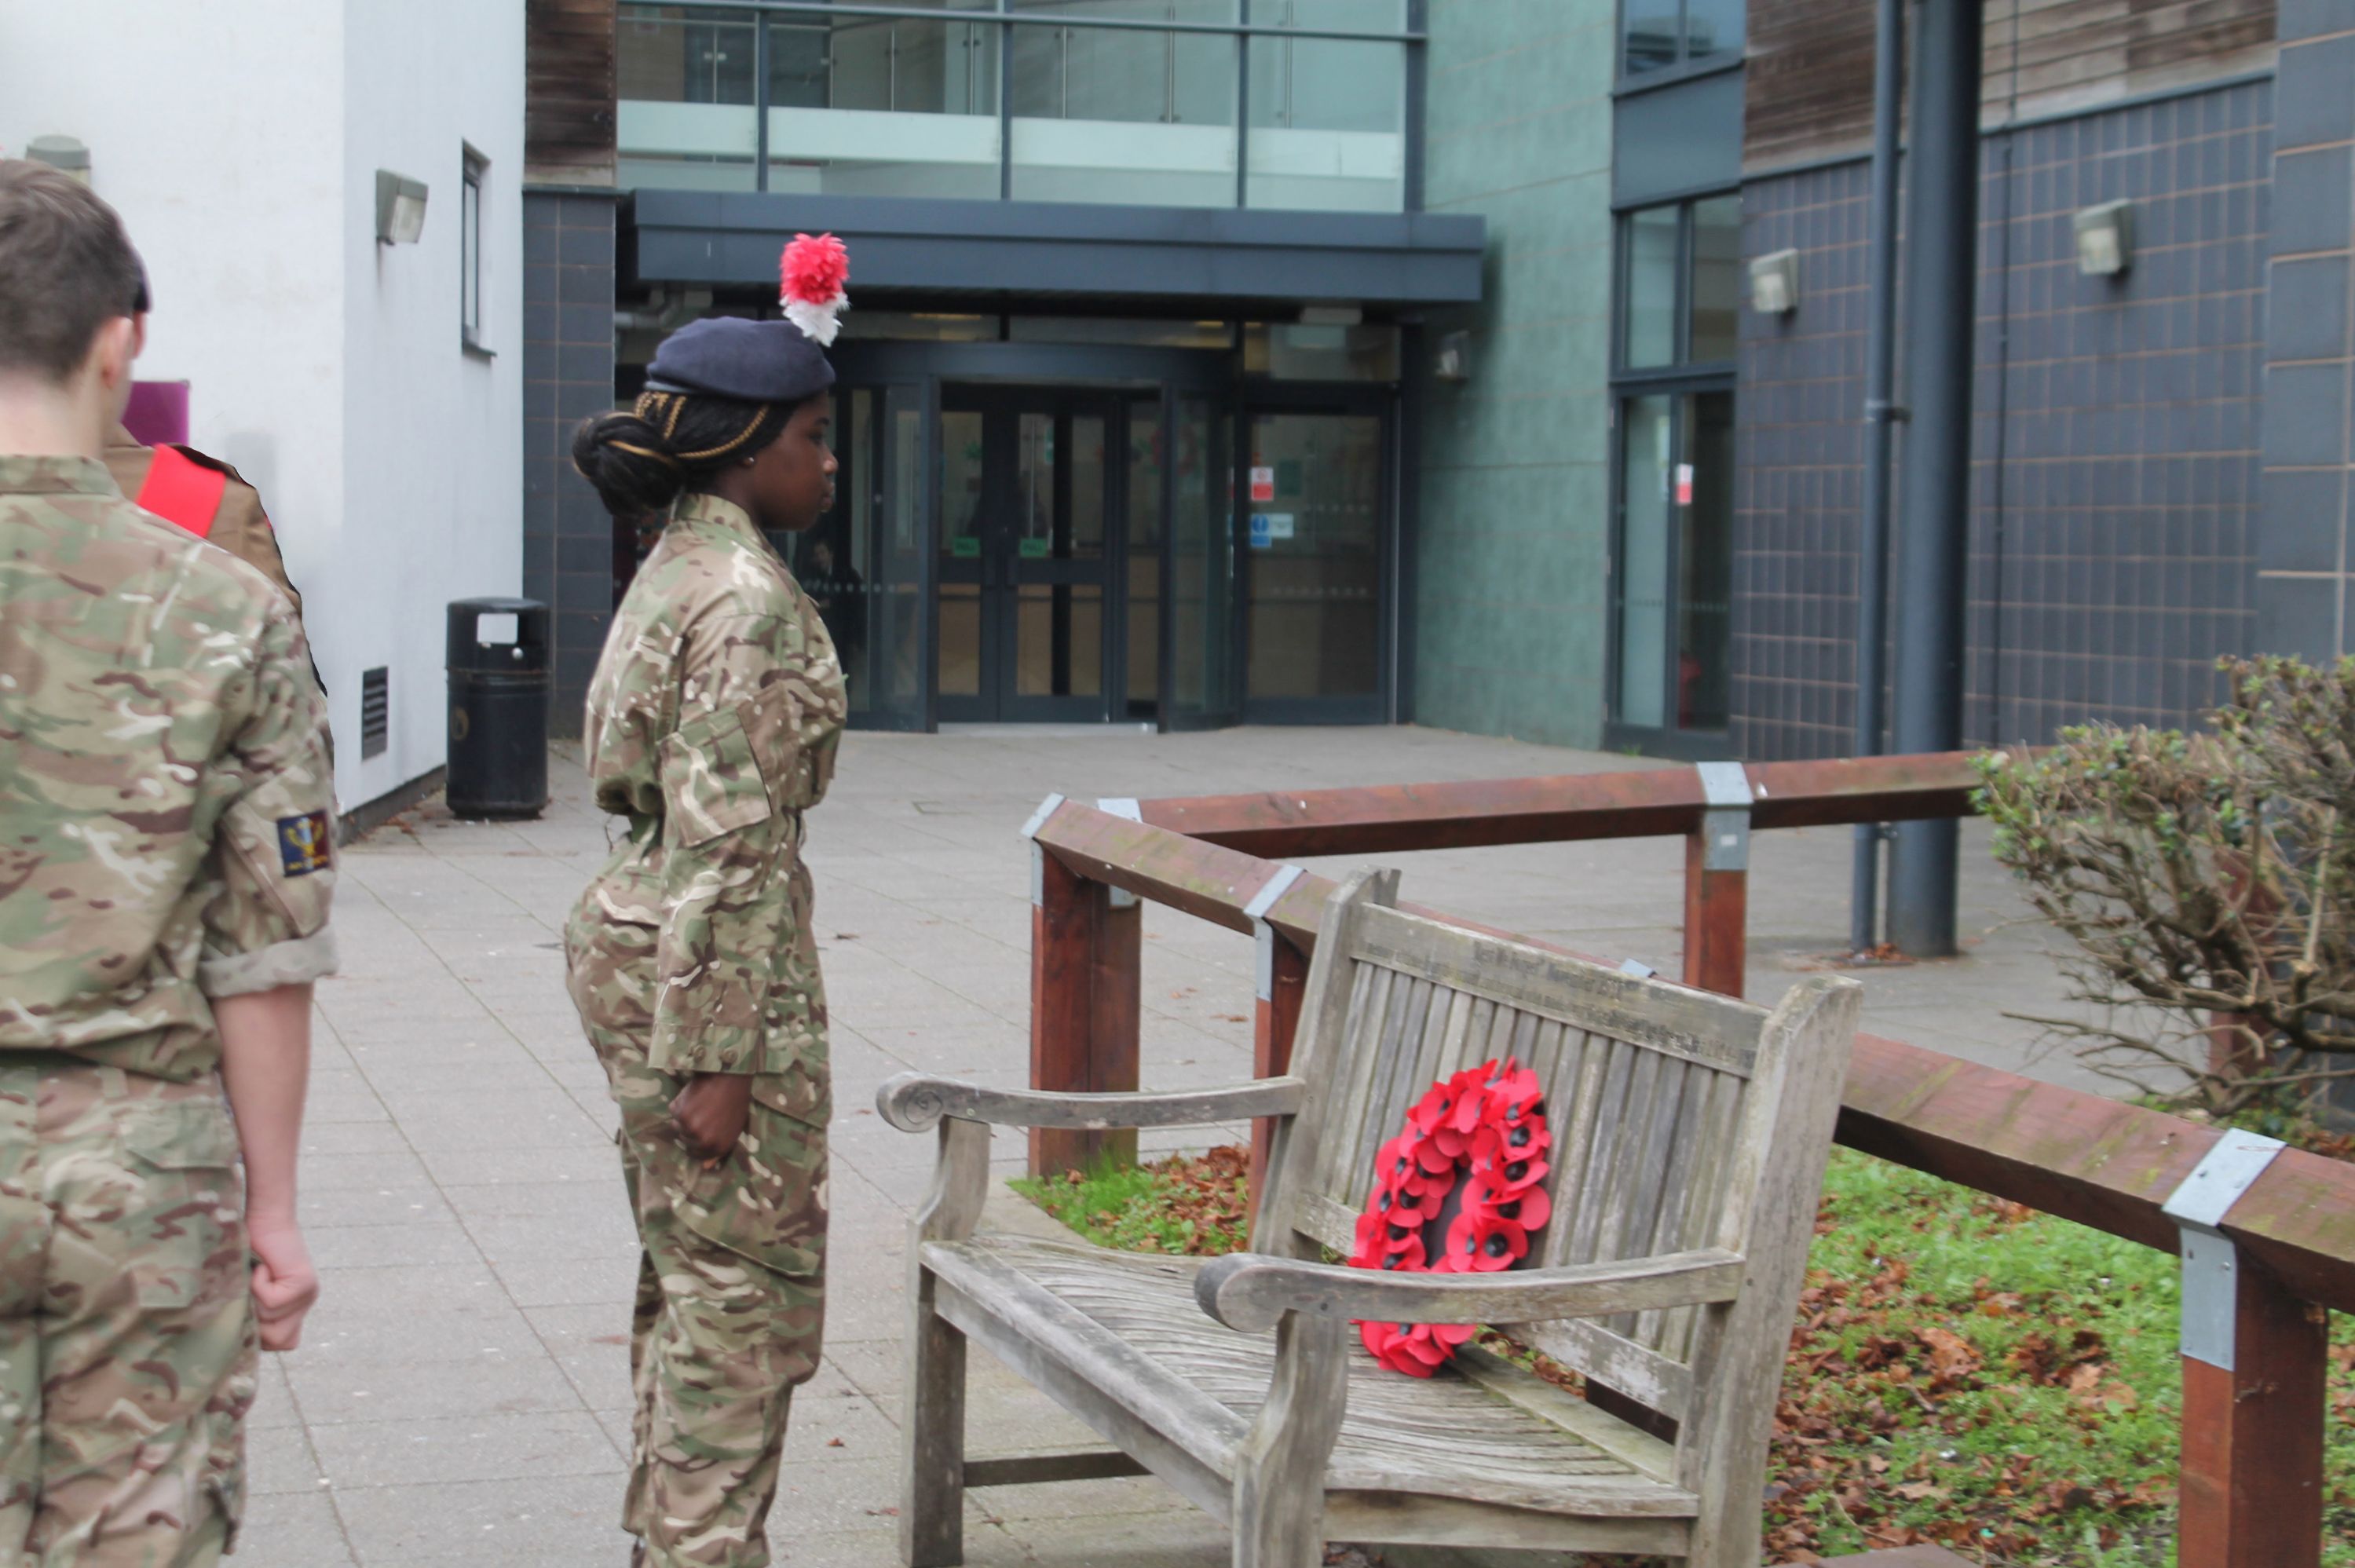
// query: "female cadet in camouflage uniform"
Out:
[712,723]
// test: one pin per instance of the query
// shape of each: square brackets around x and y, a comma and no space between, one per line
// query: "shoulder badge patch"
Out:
[303,843]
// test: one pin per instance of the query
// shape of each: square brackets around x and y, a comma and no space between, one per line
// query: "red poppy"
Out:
[1434,1107]
[1529,1208]
[1512,1166]
[1418,1349]
[1481,1242]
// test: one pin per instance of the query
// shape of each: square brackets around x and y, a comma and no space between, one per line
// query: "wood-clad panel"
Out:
[569,91]
[1810,94]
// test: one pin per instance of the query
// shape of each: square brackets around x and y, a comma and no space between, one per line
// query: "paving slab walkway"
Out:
[462,1393]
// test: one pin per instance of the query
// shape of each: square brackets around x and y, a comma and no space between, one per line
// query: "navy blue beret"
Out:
[728,357]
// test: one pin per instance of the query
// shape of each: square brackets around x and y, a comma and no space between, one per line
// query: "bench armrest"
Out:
[1250,1291]
[912,1102]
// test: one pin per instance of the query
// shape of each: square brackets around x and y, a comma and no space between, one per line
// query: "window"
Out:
[1673,586]
[1297,104]
[1678,317]
[470,251]
[1680,295]
[1657,34]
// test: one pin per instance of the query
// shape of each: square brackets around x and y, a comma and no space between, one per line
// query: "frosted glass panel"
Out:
[1644,564]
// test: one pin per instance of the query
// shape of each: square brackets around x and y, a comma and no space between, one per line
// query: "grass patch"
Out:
[1974,1373]
[1188,1204]
[1964,1370]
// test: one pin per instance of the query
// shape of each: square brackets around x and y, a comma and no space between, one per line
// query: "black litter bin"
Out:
[498,707]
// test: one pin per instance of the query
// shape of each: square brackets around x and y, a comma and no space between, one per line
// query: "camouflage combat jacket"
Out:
[167,811]
[712,723]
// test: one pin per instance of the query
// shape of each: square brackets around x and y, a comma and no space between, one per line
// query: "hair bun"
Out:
[629,462]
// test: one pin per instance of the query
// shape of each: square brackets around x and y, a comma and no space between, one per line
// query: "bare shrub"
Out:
[2206,883]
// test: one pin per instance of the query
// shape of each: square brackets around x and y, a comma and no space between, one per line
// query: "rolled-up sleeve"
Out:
[274,873]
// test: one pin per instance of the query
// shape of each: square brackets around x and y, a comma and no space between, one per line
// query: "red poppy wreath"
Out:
[1484,1131]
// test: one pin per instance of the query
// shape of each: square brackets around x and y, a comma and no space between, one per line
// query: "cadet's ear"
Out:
[115,345]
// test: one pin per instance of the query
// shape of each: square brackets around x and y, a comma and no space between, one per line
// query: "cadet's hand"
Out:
[284,1284]
[712,1111]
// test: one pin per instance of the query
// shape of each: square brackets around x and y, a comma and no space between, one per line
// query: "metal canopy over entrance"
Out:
[1211,256]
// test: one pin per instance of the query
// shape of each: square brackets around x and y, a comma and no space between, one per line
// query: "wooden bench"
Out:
[1690,1137]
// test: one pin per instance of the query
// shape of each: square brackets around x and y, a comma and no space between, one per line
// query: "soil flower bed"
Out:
[1964,1372]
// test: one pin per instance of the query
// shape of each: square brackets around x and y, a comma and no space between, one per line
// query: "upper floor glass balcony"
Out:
[1298,104]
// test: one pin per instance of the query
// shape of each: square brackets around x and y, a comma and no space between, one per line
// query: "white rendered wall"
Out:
[240,143]
[432,434]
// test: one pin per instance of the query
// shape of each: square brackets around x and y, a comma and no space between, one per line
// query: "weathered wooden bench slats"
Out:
[1444,1436]
[1690,1135]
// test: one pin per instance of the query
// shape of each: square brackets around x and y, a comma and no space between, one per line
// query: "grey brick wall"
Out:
[2303,547]
[567,375]
[2114,437]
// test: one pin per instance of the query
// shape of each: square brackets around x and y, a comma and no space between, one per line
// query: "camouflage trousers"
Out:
[127,1349]
[730,1297]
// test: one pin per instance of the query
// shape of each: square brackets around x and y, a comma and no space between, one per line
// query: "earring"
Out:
[750,461]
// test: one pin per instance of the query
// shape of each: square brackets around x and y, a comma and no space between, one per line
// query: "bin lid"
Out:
[498,635]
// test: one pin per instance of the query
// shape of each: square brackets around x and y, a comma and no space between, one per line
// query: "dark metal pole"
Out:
[1879,384]
[1004,104]
[761,102]
[1941,292]
[1418,96]
[1242,108]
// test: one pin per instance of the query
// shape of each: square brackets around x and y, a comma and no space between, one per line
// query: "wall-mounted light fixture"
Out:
[62,153]
[400,208]
[1774,282]
[1454,360]
[1332,315]
[2104,239]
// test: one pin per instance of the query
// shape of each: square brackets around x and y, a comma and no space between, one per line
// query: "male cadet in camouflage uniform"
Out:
[165,861]
[713,720]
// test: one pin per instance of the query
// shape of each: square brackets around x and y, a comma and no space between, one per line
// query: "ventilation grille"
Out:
[376,712]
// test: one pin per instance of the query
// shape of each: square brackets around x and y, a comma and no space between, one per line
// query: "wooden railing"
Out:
[2250,1487]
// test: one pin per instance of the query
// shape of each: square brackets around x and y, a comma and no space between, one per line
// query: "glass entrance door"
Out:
[1030,492]
[1197,686]
[1314,567]
[863,565]
[1054,538]
[1675,568]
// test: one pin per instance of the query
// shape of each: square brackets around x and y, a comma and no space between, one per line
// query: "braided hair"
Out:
[670,442]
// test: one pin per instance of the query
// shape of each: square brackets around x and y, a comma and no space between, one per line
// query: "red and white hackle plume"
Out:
[813,271]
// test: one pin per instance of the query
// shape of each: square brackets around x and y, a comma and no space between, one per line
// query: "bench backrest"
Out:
[1680,1120]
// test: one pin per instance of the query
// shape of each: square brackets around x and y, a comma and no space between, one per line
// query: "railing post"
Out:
[1115,1005]
[1086,952]
[2255,1363]
[1283,976]
[1717,881]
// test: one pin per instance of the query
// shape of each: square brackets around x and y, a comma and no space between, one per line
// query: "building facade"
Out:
[2159,446]
[1127,429]
[2116,514]
[1222,361]
[370,390]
